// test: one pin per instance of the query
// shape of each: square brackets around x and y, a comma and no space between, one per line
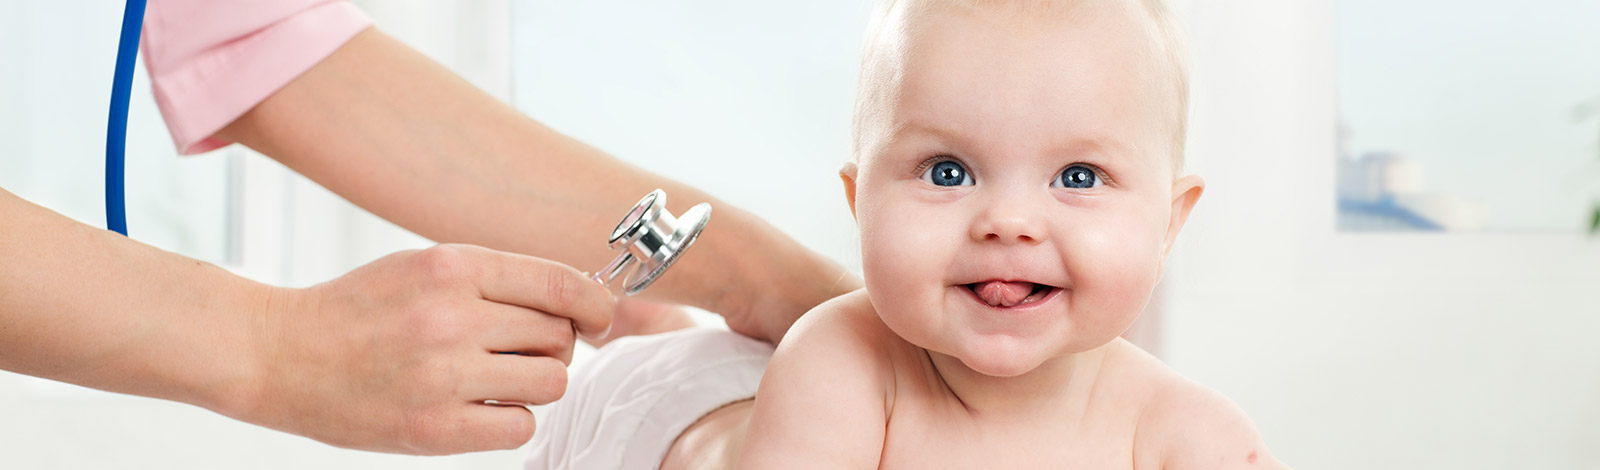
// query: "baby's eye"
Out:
[1077,177]
[947,173]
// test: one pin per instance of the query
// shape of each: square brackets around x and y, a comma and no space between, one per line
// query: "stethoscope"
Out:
[649,237]
[117,123]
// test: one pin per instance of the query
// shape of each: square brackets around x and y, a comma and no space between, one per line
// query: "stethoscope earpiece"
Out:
[650,237]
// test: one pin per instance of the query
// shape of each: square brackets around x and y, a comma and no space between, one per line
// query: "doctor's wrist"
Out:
[241,392]
[808,280]
[774,280]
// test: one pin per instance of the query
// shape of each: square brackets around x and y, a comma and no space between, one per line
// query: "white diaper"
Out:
[626,407]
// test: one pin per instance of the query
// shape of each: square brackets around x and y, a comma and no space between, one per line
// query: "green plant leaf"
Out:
[1594,223]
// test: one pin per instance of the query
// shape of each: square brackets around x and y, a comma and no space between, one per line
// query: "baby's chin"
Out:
[1003,356]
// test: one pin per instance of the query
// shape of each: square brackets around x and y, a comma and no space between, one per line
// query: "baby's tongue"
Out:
[1002,293]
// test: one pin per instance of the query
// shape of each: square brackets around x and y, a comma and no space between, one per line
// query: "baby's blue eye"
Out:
[1077,177]
[947,173]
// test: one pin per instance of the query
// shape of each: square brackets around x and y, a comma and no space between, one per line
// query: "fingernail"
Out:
[603,334]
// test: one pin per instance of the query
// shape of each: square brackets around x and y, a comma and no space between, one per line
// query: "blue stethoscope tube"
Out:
[117,125]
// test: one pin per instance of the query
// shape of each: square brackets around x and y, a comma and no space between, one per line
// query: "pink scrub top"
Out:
[210,61]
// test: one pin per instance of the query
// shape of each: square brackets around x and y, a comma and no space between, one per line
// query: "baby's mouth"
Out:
[1007,294]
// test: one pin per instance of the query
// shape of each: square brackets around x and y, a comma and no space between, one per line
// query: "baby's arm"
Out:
[1196,427]
[821,403]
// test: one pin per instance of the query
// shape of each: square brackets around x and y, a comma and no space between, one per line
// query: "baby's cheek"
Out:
[904,259]
[899,249]
[1113,271]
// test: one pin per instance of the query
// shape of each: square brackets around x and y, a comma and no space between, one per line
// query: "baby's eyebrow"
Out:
[1089,145]
[913,127]
[1092,145]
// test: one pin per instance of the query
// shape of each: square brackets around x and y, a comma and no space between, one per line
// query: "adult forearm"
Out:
[403,137]
[84,305]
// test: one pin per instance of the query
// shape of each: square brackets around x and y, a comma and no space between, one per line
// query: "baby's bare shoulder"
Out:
[843,334]
[1184,424]
[845,321]
[822,402]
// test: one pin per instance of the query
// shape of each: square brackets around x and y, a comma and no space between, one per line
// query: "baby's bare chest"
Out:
[922,438]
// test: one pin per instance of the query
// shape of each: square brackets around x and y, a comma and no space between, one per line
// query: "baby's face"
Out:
[1015,193]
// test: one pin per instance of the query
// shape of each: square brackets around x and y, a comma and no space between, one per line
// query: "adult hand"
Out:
[406,354]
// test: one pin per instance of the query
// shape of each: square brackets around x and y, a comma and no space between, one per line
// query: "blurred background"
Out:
[1390,267]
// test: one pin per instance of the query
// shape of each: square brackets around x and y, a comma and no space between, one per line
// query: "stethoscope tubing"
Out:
[117,124]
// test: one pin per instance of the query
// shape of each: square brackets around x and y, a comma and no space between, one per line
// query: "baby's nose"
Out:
[1009,224]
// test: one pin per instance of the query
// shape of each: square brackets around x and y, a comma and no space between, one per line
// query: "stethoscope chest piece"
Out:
[651,238]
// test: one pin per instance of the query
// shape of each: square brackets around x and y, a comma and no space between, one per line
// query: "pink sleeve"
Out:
[211,61]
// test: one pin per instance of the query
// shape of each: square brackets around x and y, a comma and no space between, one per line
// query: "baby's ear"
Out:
[1185,193]
[848,174]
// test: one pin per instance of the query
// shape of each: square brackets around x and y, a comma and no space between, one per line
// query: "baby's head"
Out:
[1016,175]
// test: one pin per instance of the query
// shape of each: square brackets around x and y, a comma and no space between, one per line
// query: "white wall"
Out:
[1363,350]
[55,91]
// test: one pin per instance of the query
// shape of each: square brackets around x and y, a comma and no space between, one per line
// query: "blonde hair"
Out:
[874,91]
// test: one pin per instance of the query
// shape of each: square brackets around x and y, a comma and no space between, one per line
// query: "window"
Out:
[1467,116]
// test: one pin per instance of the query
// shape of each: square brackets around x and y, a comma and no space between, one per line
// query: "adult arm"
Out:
[401,136]
[398,356]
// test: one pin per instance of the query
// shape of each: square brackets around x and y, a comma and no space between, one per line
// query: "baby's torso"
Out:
[929,427]
[916,442]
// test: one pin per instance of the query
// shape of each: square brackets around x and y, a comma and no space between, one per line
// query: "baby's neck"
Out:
[1058,389]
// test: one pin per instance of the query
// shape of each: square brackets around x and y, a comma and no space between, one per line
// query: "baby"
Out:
[1017,189]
